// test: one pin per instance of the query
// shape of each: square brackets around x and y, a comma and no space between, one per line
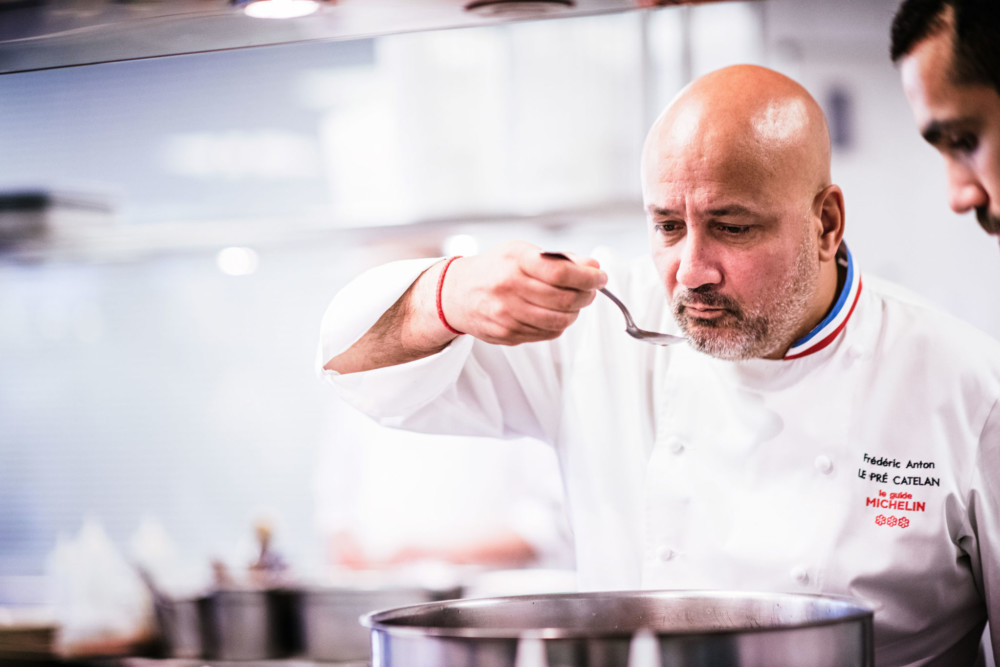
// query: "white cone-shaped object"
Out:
[530,652]
[644,651]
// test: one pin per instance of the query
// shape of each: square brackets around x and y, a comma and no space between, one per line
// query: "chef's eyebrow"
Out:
[730,210]
[658,211]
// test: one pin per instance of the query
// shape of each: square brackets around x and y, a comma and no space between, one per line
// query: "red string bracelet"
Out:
[438,300]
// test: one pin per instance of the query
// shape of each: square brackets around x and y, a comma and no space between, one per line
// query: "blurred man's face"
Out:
[962,122]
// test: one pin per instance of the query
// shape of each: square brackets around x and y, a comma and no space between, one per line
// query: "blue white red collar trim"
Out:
[827,331]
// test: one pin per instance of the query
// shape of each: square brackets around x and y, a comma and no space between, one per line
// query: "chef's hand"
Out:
[512,294]
[509,295]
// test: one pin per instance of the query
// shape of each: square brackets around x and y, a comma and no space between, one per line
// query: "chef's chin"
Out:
[720,343]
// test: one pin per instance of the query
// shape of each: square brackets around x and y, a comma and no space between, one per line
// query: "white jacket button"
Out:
[665,553]
[675,445]
[824,464]
[800,574]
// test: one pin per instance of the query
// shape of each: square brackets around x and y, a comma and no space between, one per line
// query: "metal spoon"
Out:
[631,329]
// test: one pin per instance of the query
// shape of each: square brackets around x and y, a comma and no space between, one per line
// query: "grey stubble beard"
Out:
[761,331]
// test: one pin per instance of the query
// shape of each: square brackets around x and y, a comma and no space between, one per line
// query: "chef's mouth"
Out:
[703,312]
[705,305]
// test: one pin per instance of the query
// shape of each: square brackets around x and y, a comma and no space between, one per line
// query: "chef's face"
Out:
[731,241]
[962,122]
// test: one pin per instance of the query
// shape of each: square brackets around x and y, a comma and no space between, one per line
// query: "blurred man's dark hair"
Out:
[975,39]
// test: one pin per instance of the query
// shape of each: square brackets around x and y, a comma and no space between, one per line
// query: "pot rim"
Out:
[847,610]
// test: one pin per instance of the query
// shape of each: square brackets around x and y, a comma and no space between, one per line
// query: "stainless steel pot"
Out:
[248,624]
[691,628]
[312,622]
[329,618]
[179,622]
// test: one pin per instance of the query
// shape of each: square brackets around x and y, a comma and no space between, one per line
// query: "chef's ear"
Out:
[829,208]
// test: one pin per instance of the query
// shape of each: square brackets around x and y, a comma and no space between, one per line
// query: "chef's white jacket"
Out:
[867,466]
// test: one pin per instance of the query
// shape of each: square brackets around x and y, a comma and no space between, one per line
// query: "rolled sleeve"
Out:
[359,305]
[395,391]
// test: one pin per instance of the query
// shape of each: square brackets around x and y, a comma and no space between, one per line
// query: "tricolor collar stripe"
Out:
[826,331]
[832,335]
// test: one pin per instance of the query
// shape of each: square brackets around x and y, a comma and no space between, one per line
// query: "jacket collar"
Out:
[830,327]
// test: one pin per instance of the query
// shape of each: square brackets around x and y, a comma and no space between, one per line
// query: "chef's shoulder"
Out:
[936,341]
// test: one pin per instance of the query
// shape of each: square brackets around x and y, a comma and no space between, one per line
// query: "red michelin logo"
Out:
[901,501]
[891,521]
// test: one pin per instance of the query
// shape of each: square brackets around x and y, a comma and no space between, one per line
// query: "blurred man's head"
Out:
[948,52]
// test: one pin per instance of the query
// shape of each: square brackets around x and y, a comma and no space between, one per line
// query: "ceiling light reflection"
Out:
[237,261]
[280,9]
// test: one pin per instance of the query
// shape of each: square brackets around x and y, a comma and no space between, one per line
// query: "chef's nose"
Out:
[965,192]
[697,266]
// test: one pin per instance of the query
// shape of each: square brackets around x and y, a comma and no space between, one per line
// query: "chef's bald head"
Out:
[764,124]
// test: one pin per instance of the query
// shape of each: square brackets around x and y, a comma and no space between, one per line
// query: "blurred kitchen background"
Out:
[172,228]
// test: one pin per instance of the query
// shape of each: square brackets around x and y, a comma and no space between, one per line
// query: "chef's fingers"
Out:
[543,291]
[523,324]
[552,297]
[518,311]
[511,295]
[578,272]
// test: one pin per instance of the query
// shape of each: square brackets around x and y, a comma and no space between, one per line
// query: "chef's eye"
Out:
[734,230]
[669,227]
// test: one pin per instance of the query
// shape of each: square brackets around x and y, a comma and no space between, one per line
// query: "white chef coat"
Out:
[868,466]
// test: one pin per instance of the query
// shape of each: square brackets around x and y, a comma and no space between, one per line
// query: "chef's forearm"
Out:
[408,330]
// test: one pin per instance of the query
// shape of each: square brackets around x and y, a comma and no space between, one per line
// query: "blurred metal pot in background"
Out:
[310,622]
[249,624]
[330,617]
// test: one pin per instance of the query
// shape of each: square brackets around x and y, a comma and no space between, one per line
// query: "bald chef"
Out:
[818,433]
